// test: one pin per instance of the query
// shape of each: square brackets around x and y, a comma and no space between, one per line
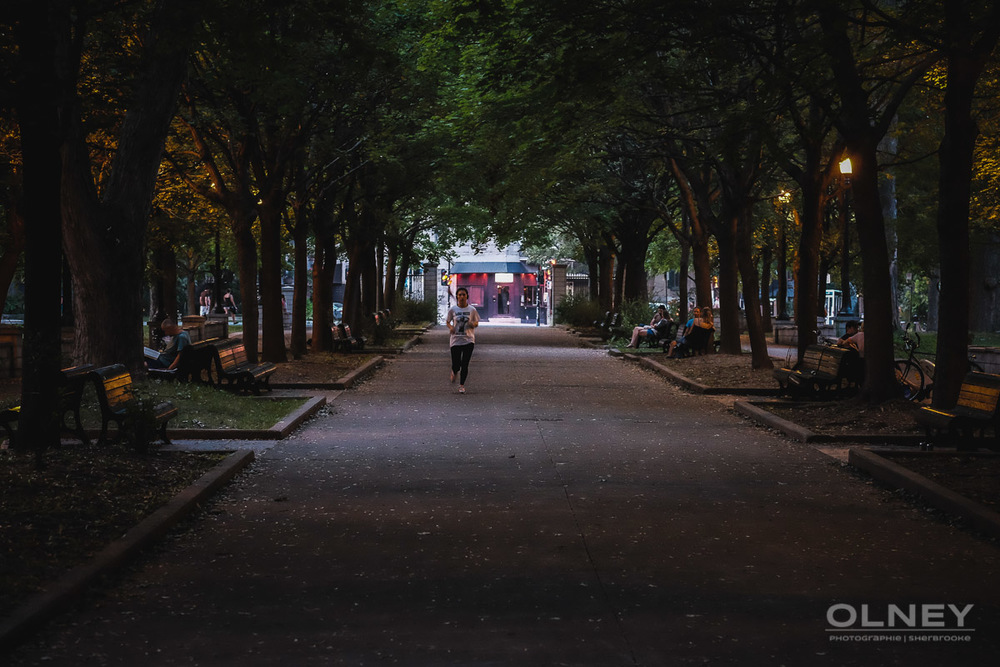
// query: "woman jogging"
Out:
[462,321]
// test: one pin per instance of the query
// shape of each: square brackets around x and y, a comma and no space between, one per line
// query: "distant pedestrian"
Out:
[462,321]
[205,301]
[229,305]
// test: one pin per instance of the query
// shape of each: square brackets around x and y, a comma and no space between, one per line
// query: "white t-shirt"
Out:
[463,333]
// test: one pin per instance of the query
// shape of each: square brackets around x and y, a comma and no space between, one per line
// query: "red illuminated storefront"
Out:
[499,290]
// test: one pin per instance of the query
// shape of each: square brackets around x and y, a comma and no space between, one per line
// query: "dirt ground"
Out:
[975,477]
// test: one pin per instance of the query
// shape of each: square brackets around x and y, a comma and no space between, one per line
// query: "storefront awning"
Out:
[491,267]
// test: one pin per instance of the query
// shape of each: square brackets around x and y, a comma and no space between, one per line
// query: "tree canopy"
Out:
[385,131]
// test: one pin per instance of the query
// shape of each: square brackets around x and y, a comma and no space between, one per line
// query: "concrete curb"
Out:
[281,430]
[884,470]
[771,420]
[396,350]
[345,382]
[752,410]
[692,386]
[29,616]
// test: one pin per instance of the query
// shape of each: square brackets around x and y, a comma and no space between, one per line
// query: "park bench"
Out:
[340,341]
[822,369]
[613,327]
[383,326]
[342,337]
[696,342]
[119,404]
[194,365]
[605,322]
[8,419]
[231,365]
[661,337]
[977,409]
[71,383]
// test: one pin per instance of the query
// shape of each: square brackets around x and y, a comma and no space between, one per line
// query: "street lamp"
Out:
[846,170]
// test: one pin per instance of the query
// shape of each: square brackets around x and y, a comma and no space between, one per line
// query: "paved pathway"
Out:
[571,509]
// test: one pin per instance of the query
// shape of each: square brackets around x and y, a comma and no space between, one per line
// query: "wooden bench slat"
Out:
[821,368]
[232,365]
[115,397]
[977,409]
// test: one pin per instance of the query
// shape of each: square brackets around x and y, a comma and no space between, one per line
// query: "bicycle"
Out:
[910,373]
[916,376]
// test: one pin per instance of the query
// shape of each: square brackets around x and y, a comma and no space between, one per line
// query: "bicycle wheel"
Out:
[910,379]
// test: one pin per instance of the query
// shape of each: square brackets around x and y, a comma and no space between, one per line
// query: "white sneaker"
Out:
[461,389]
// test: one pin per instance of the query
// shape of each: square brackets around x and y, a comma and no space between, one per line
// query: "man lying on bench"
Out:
[168,359]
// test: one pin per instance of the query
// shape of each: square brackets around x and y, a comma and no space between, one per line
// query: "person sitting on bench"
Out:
[660,323]
[702,319]
[169,357]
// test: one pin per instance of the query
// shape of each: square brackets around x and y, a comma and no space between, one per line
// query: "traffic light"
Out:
[445,278]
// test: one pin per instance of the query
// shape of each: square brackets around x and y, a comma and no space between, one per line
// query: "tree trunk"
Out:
[880,381]
[593,271]
[164,284]
[863,127]
[389,269]
[633,259]
[984,270]
[765,289]
[956,159]
[933,299]
[954,185]
[729,290]
[618,295]
[682,283]
[702,273]
[273,330]
[807,274]
[379,279]
[353,301]
[105,239]
[751,288]
[323,265]
[405,263]
[371,285]
[39,106]
[241,223]
[191,295]
[300,297]
[606,278]
[781,270]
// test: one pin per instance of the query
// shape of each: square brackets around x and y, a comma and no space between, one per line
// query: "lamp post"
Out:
[846,307]
[539,285]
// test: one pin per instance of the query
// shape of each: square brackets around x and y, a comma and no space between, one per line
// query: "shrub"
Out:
[412,310]
[578,310]
[636,313]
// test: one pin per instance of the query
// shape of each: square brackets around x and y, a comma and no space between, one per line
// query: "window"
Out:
[477,295]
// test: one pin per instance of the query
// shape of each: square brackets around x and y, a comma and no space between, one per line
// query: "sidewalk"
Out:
[570,509]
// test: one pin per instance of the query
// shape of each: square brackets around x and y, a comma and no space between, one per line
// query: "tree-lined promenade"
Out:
[567,509]
[700,136]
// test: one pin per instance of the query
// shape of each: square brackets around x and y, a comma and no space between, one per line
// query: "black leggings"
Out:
[460,356]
